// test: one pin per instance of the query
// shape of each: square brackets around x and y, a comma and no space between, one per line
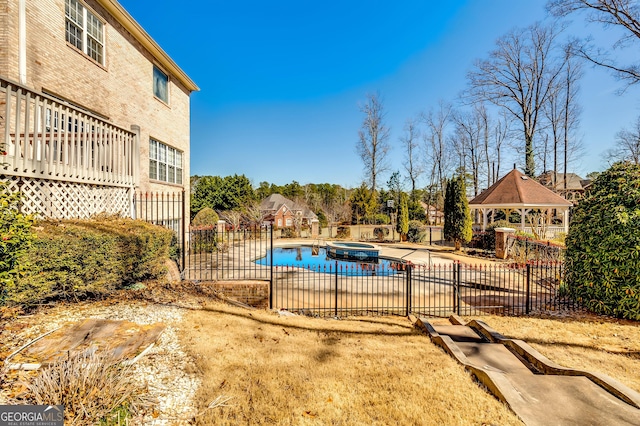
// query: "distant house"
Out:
[434,216]
[284,213]
[576,186]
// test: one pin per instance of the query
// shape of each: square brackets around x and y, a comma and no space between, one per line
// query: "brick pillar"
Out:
[501,241]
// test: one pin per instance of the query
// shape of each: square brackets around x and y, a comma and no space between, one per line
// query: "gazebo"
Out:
[537,205]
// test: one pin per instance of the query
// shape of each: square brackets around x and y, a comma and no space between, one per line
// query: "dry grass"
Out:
[259,368]
[597,344]
[91,387]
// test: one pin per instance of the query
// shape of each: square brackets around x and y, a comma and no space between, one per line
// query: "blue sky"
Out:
[282,81]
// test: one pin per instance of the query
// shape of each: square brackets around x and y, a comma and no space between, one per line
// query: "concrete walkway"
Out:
[537,390]
[423,254]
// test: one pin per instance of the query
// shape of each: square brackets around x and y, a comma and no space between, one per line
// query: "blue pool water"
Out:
[302,257]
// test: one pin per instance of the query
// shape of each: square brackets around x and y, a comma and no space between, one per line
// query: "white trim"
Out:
[130,24]
[86,14]
[164,160]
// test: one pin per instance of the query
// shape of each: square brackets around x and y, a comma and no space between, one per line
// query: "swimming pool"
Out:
[362,252]
[306,257]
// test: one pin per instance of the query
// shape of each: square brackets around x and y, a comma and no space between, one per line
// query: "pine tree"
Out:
[403,217]
[457,219]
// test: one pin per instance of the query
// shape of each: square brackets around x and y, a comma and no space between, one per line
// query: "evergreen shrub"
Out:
[457,219]
[381,219]
[205,218]
[417,232]
[16,237]
[74,259]
[603,244]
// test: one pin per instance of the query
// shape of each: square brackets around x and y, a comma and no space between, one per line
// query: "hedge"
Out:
[75,259]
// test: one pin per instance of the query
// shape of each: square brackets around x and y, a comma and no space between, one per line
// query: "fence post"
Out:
[336,292]
[458,282]
[408,291]
[184,230]
[271,267]
[430,235]
[455,287]
[528,289]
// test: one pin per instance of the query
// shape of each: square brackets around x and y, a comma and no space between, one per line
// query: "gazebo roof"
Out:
[517,190]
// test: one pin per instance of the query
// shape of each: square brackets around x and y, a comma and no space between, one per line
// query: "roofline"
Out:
[130,24]
[515,206]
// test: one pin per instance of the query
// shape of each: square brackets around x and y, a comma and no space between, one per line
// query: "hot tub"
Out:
[361,252]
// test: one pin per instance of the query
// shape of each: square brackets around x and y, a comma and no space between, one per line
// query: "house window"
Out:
[289,223]
[160,85]
[165,163]
[279,222]
[84,30]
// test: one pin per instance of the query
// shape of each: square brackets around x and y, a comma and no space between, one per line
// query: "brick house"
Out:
[433,214]
[92,109]
[284,213]
[575,185]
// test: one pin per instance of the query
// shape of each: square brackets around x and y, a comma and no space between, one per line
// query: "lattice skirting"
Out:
[68,200]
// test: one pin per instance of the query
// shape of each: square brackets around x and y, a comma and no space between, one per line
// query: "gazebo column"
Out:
[565,220]
[485,212]
[523,215]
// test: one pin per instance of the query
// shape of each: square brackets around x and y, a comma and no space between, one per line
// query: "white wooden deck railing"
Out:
[46,138]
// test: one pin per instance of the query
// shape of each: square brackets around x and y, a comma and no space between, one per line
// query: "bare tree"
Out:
[233,217]
[411,149]
[500,135]
[624,14]
[436,147]
[373,145]
[562,113]
[518,76]
[483,115]
[627,145]
[553,114]
[572,109]
[468,142]
[253,214]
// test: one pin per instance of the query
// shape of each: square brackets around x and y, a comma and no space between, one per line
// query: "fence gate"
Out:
[220,253]
[166,209]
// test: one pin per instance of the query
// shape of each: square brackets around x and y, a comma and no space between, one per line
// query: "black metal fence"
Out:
[393,288]
[228,254]
[422,290]
[165,209]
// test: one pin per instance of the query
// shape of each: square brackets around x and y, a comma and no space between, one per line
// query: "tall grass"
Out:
[92,387]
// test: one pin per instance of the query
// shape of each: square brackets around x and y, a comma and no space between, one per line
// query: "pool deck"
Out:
[419,254]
